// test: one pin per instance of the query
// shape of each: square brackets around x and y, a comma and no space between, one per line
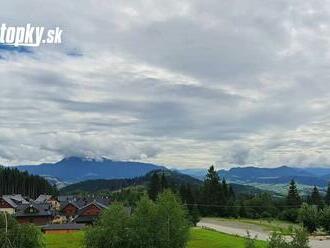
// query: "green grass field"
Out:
[68,240]
[200,238]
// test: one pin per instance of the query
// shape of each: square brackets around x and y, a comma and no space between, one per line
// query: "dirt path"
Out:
[240,229]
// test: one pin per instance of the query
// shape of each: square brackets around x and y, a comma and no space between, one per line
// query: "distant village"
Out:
[61,214]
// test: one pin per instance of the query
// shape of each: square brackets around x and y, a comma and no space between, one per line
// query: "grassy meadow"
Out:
[67,240]
[200,238]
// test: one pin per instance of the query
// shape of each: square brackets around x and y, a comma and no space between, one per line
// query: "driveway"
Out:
[240,229]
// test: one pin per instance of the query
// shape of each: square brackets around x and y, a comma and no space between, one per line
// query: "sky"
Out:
[180,83]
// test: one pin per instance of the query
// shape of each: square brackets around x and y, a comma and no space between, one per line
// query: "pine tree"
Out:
[194,215]
[164,183]
[213,193]
[327,196]
[293,198]
[315,198]
[155,186]
[225,188]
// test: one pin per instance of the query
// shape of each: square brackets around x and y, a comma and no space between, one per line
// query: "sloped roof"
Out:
[67,226]
[43,209]
[85,219]
[97,204]
[42,198]
[14,200]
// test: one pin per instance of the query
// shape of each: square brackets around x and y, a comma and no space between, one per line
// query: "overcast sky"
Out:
[179,83]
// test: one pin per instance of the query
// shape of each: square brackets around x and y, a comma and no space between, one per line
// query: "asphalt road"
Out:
[241,229]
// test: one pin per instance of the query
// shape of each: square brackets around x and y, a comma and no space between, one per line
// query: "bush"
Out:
[299,239]
[250,242]
[309,217]
[162,224]
[325,219]
[17,235]
[289,215]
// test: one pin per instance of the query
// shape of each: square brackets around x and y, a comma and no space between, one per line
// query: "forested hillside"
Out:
[91,186]
[12,181]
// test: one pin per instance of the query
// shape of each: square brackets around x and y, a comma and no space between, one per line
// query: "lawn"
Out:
[67,240]
[200,238]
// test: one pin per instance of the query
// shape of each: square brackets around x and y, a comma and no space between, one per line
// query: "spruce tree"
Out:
[155,186]
[213,193]
[327,196]
[293,198]
[315,198]
[164,182]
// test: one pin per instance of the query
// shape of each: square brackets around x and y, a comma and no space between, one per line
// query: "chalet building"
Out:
[62,228]
[89,213]
[9,203]
[50,200]
[39,214]
[70,209]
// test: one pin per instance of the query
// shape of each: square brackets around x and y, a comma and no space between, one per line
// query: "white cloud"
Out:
[177,83]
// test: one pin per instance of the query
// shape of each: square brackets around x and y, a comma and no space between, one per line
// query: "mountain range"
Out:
[75,169]
[318,176]
[172,177]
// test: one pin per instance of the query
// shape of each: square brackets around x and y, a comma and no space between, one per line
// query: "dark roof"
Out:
[82,201]
[64,204]
[85,219]
[97,204]
[43,198]
[68,226]
[40,209]
[14,200]
[66,198]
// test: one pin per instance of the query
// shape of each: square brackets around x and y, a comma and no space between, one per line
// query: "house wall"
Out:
[40,220]
[70,210]
[4,204]
[6,207]
[92,210]
[7,210]
[60,231]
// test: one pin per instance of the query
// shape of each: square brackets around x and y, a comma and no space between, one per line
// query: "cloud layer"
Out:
[186,83]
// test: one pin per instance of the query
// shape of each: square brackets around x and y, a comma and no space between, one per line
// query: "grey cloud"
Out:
[185,83]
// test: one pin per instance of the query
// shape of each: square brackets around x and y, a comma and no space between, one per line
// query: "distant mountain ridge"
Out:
[97,185]
[278,175]
[173,178]
[75,169]
[319,176]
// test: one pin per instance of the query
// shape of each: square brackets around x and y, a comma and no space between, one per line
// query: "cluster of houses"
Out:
[55,214]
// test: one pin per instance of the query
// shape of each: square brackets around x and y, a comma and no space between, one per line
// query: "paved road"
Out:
[241,229]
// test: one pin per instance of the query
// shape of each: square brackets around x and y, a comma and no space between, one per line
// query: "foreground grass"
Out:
[67,240]
[200,238]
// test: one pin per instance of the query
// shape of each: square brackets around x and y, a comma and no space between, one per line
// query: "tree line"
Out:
[162,223]
[13,181]
[215,197]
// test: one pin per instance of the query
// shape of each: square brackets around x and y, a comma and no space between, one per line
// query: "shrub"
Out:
[299,239]
[250,242]
[325,219]
[309,217]
[17,235]
[161,224]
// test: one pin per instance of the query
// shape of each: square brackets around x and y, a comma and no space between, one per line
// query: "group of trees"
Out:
[13,181]
[17,235]
[298,239]
[313,217]
[216,198]
[162,223]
